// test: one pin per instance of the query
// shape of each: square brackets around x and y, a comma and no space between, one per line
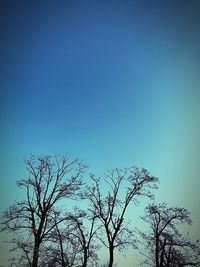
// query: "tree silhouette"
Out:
[72,243]
[167,246]
[23,249]
[85,235]
[49,181]
[123,186]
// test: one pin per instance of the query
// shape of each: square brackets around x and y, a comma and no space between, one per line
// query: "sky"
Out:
[115,83]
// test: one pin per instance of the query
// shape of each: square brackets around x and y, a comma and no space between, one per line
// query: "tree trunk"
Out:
[35,255]
[38,241]
[85,257]
[162,253]
[169,257]
[157,252]
[61,250]
[111,254]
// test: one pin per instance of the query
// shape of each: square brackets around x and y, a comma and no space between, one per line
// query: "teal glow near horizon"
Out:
[116,84]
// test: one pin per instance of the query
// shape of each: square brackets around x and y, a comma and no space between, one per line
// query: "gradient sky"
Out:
[113,82]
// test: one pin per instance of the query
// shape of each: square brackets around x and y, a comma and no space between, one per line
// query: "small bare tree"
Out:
[72,242]
[85,230]
[122,186]
[23,249]
[167,246]
[49,181]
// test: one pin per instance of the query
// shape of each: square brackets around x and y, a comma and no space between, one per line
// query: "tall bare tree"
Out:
[49,181]
[110,203]
[167,246]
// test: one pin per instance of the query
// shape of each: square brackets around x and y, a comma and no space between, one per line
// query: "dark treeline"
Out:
[48,232]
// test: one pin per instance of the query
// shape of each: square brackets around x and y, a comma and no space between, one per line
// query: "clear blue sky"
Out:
[113,82]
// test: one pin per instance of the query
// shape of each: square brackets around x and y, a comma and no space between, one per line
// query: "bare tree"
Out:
[85,235]
[23,249]
[168,247]
[72,242]
[49,181]
[122,186]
